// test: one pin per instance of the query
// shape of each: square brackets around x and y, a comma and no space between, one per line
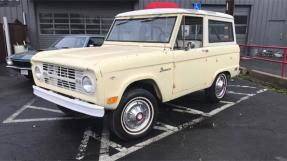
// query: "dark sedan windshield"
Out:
[148,30]
[70,42]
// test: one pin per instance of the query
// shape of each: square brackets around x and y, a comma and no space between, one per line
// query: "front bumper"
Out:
[72,104]
[19,68]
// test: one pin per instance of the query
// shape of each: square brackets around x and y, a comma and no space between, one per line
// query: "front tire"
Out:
[218,89]
[135,115]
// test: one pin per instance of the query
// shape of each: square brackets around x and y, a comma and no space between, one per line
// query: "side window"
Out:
[220,31]
[190,33]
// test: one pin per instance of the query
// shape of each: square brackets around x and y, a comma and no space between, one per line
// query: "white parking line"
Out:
[43,119]
[91,134]
[13,117]
[240,86]
[238,93]
[183,109]
[154,139]
[261,91]
[217,110]
[197,112]
[84,143]
[164,127]
[45,109]
[105,141]
[280,159]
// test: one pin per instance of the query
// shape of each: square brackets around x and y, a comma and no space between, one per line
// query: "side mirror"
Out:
[189,45]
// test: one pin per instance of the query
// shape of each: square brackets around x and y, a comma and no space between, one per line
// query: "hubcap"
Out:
[137,116]
[220,86]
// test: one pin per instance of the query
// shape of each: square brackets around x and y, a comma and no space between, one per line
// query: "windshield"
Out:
[150,30]
[70,42]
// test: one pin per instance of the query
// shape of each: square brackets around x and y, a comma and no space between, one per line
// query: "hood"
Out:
[26,56]
[88,57]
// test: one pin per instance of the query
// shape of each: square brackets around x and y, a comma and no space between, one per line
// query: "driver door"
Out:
[190,57]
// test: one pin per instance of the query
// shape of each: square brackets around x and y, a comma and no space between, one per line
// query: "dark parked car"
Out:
[21,61]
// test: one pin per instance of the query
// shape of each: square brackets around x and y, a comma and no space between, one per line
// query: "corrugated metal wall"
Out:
[262,12]
[13,13]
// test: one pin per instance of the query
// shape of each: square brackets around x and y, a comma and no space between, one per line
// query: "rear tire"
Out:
[135,115]
[218,89]
[68,112]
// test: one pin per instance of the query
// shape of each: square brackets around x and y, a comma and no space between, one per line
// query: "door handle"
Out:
[205,50]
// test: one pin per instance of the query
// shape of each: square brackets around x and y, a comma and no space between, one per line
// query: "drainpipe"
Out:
[230,5]
[24,18]
[7,38]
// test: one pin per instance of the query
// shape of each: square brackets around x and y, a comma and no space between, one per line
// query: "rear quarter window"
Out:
[220,31]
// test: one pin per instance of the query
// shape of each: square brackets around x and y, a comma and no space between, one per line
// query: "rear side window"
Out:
[220,31]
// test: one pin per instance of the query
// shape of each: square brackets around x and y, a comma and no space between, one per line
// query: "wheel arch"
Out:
[147,84]
[227,72]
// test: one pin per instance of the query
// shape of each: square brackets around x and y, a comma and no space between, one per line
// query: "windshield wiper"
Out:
[148,20]
[121,23]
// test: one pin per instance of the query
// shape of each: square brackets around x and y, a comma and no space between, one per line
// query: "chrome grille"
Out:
[63,77]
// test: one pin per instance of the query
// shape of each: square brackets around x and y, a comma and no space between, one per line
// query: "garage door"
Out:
[241,16]
[58,19]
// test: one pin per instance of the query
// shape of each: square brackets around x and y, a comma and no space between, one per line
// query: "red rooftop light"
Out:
[154,5]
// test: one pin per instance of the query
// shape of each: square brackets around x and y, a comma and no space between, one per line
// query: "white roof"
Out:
[172,11]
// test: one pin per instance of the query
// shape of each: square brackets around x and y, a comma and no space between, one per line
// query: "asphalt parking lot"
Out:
[250,124]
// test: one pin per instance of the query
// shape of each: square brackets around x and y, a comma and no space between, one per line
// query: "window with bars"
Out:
[73,23]
[241,24]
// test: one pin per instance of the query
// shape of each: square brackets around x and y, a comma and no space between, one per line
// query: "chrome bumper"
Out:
[72,104]
[20,68]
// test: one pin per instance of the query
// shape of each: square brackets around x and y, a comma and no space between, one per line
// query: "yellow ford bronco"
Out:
[149,57]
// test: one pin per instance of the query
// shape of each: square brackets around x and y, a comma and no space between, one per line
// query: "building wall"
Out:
[262,13]
[263,17]
[30,7]
[13,13]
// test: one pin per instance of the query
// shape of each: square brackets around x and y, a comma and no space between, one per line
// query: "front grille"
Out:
[63,77]
[21,64]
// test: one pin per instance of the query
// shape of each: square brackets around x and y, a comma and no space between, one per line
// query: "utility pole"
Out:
[230,5]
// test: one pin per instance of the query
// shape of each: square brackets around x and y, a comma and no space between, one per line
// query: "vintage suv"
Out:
[149,57]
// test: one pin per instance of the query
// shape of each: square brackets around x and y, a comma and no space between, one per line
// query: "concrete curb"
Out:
[266,77]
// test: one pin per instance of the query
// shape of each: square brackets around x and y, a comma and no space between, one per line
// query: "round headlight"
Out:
[87,84]
[38,72]
[9,62]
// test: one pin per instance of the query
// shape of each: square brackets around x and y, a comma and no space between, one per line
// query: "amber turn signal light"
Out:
[112,100]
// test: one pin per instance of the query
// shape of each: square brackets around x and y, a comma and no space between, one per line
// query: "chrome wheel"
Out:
[137,116]
[220,86]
